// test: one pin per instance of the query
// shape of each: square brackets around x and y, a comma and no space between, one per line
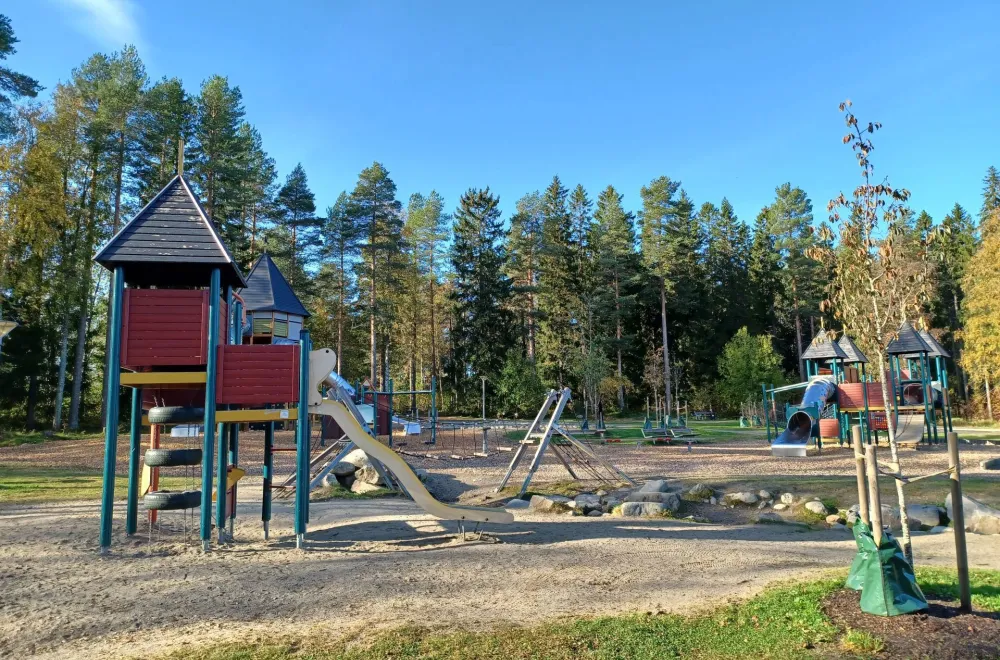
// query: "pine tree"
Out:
[727,269]
[216,152]
[483,330]
[429,232]
[296,209]
[121,103]
[558,331]
[991,197]
[13,85]
[342,245]
[166,118]
[256,192]
[373,205]
[617,279]
[525,246]
[581,224]
[790,221]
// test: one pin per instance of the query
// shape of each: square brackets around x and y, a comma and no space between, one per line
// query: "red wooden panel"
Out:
[164,327]
[258,374]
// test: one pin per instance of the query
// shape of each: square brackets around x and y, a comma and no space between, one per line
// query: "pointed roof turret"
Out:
[823,348]
[854,354]
[907,341]
[268,290]
[170,242]
[937,350]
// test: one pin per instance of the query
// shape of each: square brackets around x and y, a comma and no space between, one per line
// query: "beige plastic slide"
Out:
[910,428]
[360,437]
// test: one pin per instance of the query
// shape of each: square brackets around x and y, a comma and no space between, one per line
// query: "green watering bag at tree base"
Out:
[888,586]
[856,576]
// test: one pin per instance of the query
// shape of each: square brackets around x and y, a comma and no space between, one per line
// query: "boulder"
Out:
[346,482]
[713,500]
[357,458]
[669,500]
[369,475]
[833,519]
[362,487]
[609,504]
[643,509]
[990,464]
[701,491]
[549,503]
[816,507]
[595,514]
[780,506]
[763,504]
[787,498]
[890,518]
[768,518]
[929,516]
[764,494]
[746,497]
[654,486]
[586,502]
[979,518]
[344,469]
[517,504]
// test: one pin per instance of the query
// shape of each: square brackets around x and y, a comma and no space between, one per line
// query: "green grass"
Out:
[338,492]
[33,485]
[15,438]
[786,621]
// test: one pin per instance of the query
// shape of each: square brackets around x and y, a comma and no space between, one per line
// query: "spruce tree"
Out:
[617,280]
[525,246]
[951,251]
[728,275]
[991,197]
[558,299]
[482,334]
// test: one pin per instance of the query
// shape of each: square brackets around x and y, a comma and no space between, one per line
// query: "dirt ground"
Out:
[372,564]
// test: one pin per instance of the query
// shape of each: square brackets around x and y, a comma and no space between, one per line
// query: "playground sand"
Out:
[374,564]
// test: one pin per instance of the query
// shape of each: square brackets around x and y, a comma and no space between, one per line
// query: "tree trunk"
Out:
[295,247]
[957,348]
[61,380]
[798,343]
[32,401]
[371,305]
[434,359]
[340,315]
[618,344]
[904,519]
[531,315]
[81,349]
[666,350]
[118,181]
[989,399]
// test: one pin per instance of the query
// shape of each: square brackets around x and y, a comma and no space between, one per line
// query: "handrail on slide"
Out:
[406,477]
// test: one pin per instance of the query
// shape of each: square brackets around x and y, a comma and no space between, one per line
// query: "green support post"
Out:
[925,383]
[208,446]
[945,394]
[375,412]
[112,374]
[134,438]
[390,412]
[265,507]
[434,410]
[302,444]
[235,337]
[222,468]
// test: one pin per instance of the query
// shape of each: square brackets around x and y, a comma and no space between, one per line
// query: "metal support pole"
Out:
[390,412]
[208,446]
[484,397]
[958,522]
[135,437]
[859,459]
[434,412]
[767,415]
[112,374]
[268,474]
[302,444]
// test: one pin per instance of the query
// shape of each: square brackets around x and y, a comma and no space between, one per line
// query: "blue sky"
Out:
[731,98]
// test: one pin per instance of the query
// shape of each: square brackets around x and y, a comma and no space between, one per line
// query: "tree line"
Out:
[557,289]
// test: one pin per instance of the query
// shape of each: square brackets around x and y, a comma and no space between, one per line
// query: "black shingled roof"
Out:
[171,242]
[907,341]
[268,290]
[937,350]
[854,354]
[822,347]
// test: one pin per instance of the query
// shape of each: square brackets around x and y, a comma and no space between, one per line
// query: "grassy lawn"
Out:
[30,485]
[10,438]
[844,490]
[338,492]
[783,622]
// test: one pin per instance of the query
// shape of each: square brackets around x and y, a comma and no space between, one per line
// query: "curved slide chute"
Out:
[794,439]
[350,425]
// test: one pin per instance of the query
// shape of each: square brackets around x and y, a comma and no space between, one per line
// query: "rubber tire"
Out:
[167,500]
[176,415]
[171,457]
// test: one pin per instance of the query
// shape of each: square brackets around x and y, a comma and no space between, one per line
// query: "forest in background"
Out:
[677,301]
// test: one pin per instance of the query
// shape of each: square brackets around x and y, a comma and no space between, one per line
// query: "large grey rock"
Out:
[586,502]
[927,515]
[780,506]
[787,498]
[670,500]
[990,464]
[979,518]
[890,518]
[833,518]
[701,491]
[595,514]
[764,494]
[362,487]
[816,507]
[517,504]
[643,509]
[609,504]
[769,518]
[369,475]
[357,458]
[745,497]
[344,469]
[549,503]
[654,486]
